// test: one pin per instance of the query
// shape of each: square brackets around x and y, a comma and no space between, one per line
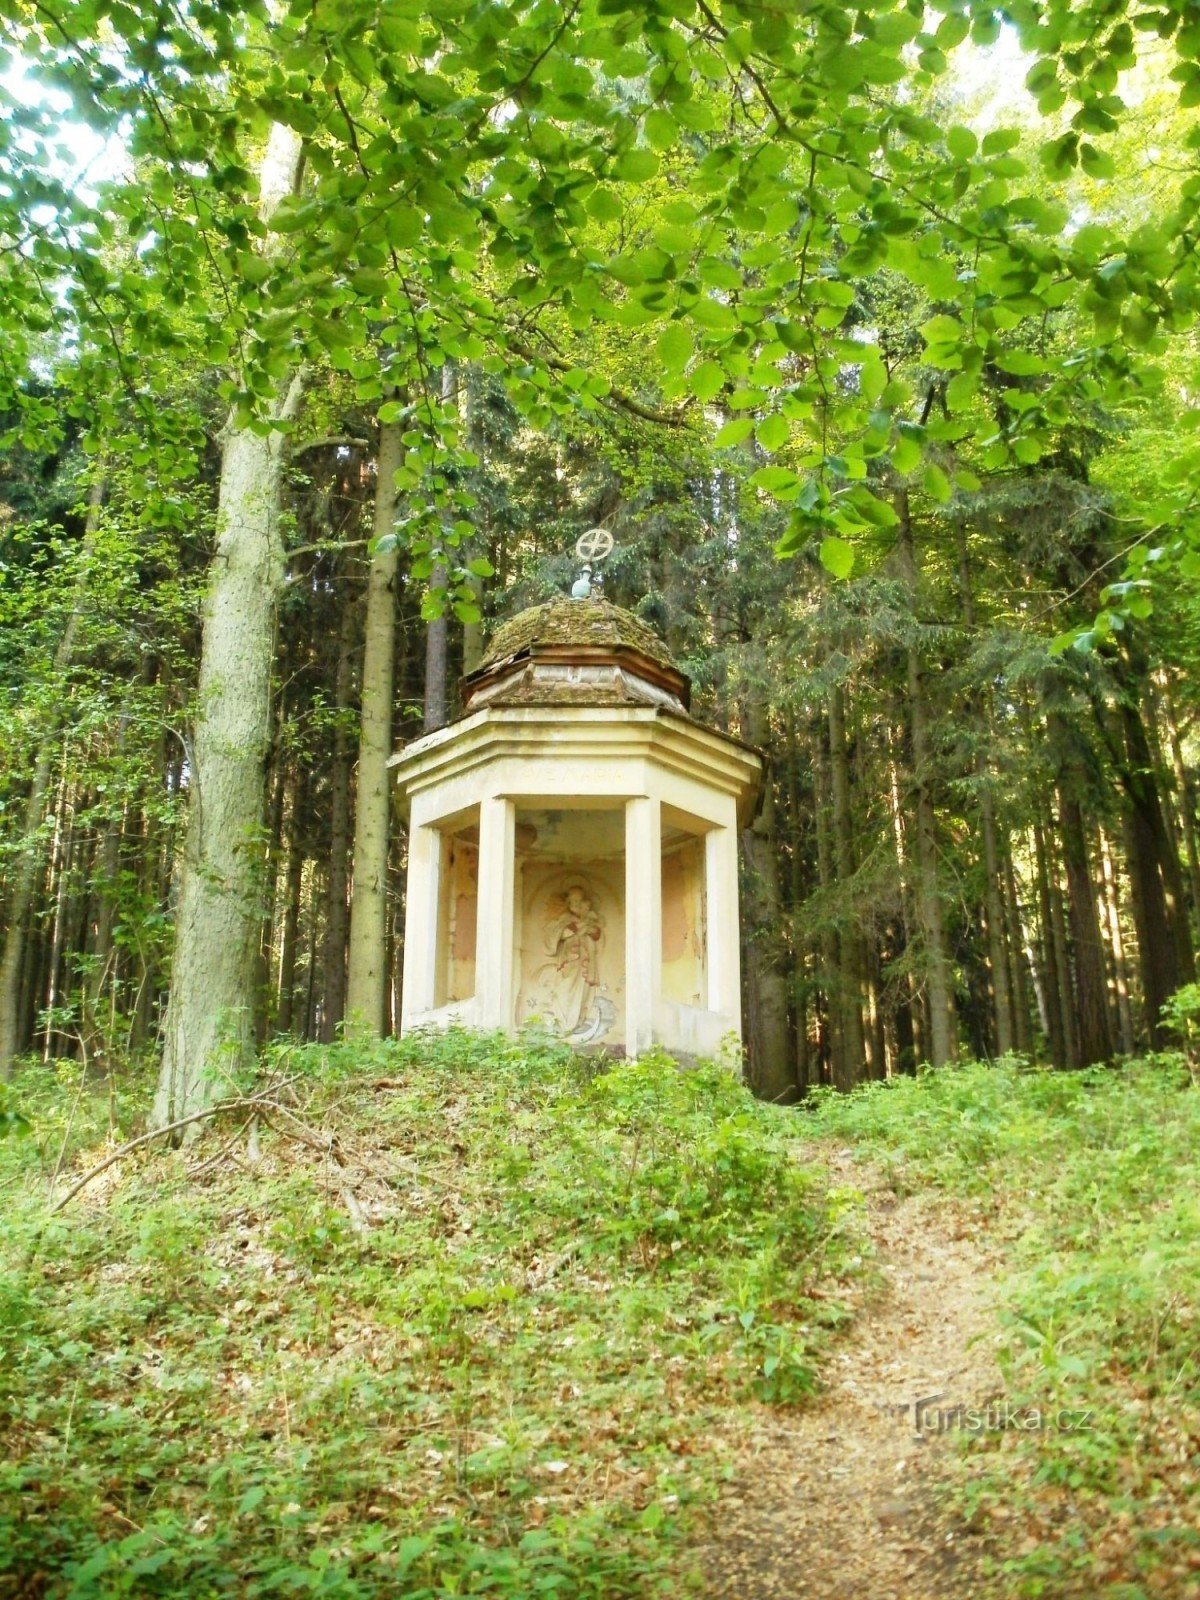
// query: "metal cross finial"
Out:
[591,547]
[594,545]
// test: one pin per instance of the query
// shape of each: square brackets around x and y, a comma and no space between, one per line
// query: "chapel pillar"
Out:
[643,920]
[496,919]
[421,923]
[721,916]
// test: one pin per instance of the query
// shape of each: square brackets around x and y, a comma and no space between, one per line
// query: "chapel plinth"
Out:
[573,844]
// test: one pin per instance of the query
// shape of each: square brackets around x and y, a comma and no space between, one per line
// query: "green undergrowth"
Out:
[475,1323]
[1091,1181]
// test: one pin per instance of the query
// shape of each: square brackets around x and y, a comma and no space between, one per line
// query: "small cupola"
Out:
[581,651]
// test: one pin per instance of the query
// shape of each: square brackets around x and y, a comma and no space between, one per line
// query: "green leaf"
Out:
[660,129]
[837,556]
[773,432]
[707,380]
[604,205]
[734,432]
[674,345]
[636,166]
[1096,163]
[942,330]
[404,226]
[781,482]
[961,143]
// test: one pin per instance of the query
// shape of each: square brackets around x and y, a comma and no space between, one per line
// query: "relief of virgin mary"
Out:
[562,990]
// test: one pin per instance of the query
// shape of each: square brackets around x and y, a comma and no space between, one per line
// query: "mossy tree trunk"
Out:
[209,1025]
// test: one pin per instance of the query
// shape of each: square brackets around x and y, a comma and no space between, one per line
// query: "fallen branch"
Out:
[246,1103]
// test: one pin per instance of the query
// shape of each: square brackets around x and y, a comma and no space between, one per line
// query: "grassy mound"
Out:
[1093,1178]
[464,1327]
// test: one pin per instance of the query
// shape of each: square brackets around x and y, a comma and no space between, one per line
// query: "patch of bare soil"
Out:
[845,1499]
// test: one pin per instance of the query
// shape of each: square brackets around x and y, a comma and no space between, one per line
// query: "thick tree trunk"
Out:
[368,977]
[209,1026]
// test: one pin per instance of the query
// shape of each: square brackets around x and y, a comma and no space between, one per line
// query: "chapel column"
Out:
[422,890]
[721,896]
[643,920]
[494,936]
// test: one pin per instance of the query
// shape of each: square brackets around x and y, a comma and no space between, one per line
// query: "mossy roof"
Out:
[574,622]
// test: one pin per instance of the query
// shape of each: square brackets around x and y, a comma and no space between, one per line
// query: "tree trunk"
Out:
[437,636]
[289,937]
[334,1000]
[1091,991]
[1187,796]
[1116,939]
[59,867]
[993,889]
[831,959]
[437,665]
[472,637]
[994,902]
[101,975]
[804,1064]
[939,976]
[263,995]
[209,1025]
[1156,880]
[1065,991]
[368,977]
[852,973]
[1018,948]
[771,1055]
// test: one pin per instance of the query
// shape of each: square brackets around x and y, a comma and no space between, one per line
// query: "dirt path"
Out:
[841,1501]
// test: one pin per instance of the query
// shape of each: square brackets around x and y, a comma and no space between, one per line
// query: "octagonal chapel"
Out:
[573,844]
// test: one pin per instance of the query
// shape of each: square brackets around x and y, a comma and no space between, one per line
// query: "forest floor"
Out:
[469,1316]
[854,1495]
